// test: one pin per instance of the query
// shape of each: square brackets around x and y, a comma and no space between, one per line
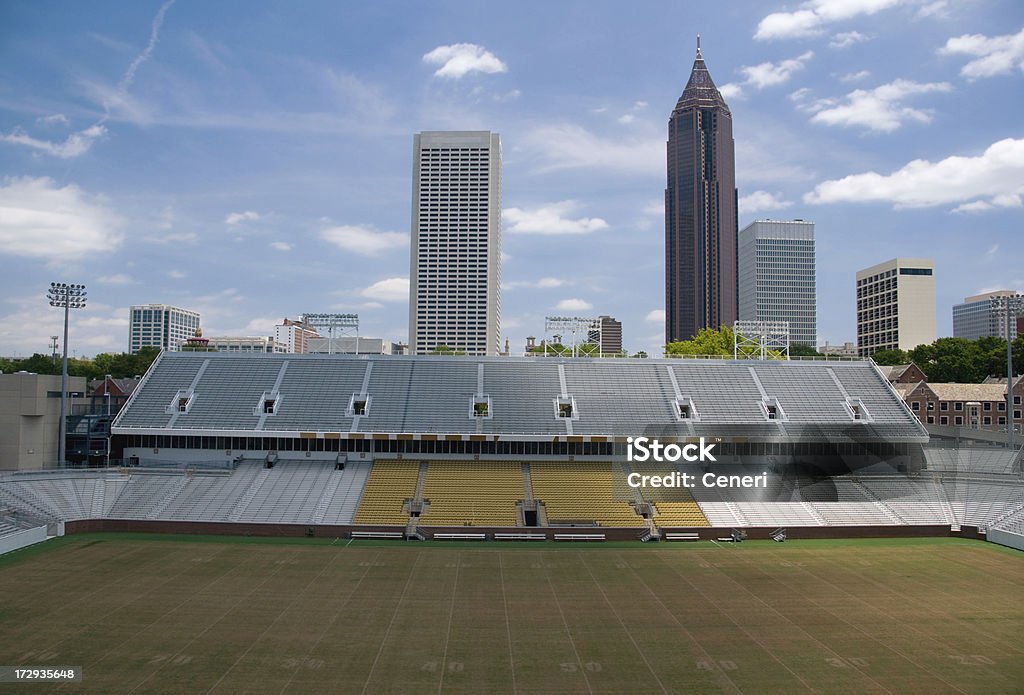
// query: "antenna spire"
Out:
[698,45]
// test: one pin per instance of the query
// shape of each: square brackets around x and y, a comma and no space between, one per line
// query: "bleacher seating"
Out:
[473,493]
[913,501]
[582,493]
[390,484]
[980,501]
[840,502]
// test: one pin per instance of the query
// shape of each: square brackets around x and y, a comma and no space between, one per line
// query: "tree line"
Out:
[117,365]
[958,359]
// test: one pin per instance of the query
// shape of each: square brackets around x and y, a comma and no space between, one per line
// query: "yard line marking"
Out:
[451,618]
[394,617]
[508,620]
[922,635]
[568,632]
[724,678]
[337,614]
[188,599]
[799,627]
[636,646]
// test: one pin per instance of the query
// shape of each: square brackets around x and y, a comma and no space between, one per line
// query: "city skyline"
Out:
[253,165]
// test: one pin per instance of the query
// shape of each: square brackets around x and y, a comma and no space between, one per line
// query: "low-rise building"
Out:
[30,418]
[978,406]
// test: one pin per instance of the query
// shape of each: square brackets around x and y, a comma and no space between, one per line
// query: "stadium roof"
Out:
[534,398]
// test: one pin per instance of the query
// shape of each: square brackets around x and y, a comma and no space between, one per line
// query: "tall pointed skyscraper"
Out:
[700,211]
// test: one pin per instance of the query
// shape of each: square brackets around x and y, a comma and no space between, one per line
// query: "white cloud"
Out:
[574,305]
[542,284]
[176,274]
[459,59]
[75,145]
[855,76]
[262,326]
[238,217]
[731,90]
[995,55]
[1005,200]
[81,142]
[40,219]
[115,279]
[992,251]
[879,109]
[765,74]
[762,200]
[769,74]
[58,118]
[364,240]
[281,246]
[551,219]
[812,18]
[845,39]
[655,316]
[568,146]
[389,290]
[656,209]
[630,116]
[997,174]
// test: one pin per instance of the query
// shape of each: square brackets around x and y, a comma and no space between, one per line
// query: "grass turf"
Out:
[152,614]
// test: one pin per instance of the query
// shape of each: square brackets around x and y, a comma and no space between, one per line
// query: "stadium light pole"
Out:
[67,297]
[1009,381]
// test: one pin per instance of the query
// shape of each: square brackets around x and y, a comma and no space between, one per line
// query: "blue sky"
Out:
[252,160]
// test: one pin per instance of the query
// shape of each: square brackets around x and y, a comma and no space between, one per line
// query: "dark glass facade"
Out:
[700,211]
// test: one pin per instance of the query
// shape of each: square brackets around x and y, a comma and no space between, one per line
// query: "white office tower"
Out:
[455,269]
[895,305]
[984,315]
[160,325]
[777,280]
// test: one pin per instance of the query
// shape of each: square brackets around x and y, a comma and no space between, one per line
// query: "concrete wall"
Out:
[30,419]
[22,539]
[1012,540]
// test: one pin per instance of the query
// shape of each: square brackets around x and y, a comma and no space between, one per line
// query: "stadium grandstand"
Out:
[460,447]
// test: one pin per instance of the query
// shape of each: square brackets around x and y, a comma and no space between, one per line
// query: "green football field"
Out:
[151,614]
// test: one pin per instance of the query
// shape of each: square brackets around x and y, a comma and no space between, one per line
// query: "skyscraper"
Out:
[455,267]
[160,325]
[895,305]
[700,210]
[984,315]
[777,276]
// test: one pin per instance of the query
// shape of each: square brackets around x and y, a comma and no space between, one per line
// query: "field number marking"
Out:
[847,662]
[709,665]
[38,656]
[572,667]
[972,659]
[453,667]
[312,664]
[179,660]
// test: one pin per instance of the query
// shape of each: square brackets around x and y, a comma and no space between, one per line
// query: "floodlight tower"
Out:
[332,322]
[67,297]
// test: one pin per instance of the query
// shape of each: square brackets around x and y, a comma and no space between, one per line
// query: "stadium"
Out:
[255,539]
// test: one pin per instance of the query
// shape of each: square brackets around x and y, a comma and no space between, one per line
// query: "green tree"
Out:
[801,350]
[951,360]
[708,341]
[445,350]
[891,358]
